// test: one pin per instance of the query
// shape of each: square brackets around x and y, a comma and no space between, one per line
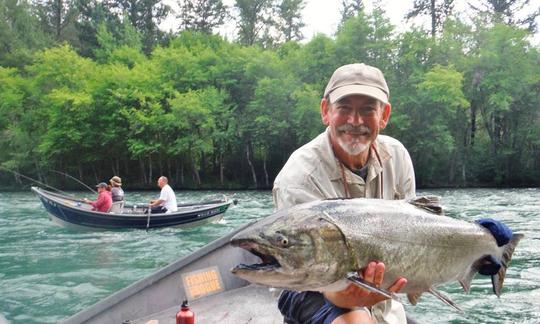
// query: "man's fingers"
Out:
[398,285]
[374,273]
[369,272]
[379,274]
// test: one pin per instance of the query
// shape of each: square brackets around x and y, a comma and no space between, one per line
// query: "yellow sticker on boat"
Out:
[202,282]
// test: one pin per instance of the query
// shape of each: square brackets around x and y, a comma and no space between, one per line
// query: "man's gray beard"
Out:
[353,149]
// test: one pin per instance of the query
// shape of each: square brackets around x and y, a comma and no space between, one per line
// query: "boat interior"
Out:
[204,279]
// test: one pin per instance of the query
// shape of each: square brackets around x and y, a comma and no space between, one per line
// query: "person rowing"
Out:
[166,203]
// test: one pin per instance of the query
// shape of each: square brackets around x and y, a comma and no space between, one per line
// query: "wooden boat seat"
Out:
[117,207]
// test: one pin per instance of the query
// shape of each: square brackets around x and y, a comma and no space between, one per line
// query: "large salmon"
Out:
[317,245]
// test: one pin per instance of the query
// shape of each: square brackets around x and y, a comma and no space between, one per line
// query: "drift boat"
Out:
[72,212]
[204,278]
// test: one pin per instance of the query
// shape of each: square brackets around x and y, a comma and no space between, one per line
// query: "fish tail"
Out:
[496,268]
[508,249]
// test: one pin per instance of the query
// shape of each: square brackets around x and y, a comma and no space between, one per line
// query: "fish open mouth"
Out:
[268,261]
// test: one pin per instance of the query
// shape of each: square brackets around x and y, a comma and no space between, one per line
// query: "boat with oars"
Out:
[73,212]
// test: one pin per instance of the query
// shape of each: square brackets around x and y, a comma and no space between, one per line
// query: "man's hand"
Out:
[354,296]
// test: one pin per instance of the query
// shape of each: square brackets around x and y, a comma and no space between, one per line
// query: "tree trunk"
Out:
[433,18]
[160,160]
[267,182]
[452,168]
[126,166]
[182,174]
[58,19]
[221,169]
[464,175]
[196,175]
[38,170]
[18,178]
[80,171]
[253,174]
[473,122]
[169,170]
[143,173]
[96,177]
[150,175]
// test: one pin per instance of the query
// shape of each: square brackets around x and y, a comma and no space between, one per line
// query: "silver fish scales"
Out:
[316,245]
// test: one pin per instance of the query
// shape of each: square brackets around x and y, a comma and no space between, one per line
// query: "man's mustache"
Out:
[360,130]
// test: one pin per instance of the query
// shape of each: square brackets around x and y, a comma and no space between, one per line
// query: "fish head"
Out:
[300,249]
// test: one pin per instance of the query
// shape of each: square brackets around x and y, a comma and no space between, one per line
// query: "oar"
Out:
[148,218]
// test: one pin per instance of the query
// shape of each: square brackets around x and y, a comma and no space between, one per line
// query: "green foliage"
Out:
[254,18]
[145,16]
[437,11]
[505,76]
[20,35]
[439,120]
[366,38]
[305,117]
[58,18]
[289,19]
[349,8]
[512,12]
[314,62]
[209,112]
[202,15]
[125,49]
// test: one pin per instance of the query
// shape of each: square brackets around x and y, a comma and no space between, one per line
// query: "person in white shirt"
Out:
[166,203]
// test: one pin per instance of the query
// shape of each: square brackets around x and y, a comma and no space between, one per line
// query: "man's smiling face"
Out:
[355,121]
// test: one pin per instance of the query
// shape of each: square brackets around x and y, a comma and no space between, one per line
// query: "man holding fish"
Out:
[349,160]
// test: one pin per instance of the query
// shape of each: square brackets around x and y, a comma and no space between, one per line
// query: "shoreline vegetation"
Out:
[107,94]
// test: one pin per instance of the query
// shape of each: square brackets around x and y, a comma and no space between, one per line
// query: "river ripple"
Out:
[48,273]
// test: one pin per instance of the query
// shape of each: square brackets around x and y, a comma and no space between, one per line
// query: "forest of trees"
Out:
[94,88]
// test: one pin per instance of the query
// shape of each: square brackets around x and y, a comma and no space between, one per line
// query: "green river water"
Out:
[48,272]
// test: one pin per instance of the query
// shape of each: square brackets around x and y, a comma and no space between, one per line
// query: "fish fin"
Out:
[498,279]
[466,281]
[429,203]
[445,299]
[355,279]
[413,297]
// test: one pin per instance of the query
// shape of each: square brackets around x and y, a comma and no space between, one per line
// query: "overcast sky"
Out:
[322,16]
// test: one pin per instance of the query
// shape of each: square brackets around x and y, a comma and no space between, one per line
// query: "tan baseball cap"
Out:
[359,79]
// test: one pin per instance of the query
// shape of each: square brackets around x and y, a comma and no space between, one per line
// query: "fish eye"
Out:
[282,241]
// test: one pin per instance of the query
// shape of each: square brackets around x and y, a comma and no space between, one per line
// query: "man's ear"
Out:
[387,109]
[325,107]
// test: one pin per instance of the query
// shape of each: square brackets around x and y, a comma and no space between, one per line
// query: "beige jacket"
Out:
[313,172]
